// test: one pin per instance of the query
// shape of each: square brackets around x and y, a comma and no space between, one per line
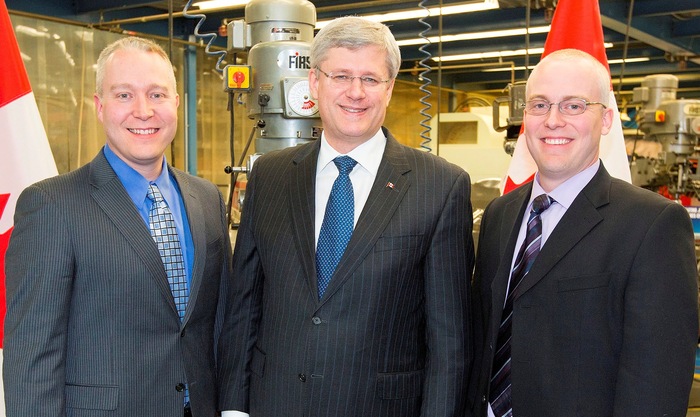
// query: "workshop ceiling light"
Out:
[496,54]
[474,36]
[432,11]
[628,60]
[610,62]
[489,55]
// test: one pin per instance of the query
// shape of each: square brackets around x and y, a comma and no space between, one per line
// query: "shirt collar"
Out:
[134,183]
[368,155]
[567,191]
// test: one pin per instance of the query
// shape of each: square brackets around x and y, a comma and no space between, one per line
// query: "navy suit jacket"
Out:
[391,336]
[605,323]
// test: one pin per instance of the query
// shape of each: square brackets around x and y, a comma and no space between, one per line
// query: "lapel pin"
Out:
[390,185]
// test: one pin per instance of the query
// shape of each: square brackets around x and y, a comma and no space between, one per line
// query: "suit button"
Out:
[180,387]
[302,377]
[316,320]
[182,333]
[483,399]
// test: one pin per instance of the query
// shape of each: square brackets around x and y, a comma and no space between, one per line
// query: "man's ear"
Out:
[608,117]
[98,106]
[313,83]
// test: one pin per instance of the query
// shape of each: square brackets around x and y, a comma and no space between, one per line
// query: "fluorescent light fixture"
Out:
[496,54]
[474,36]
[489,55]
[218,4]
[628,60]
[610,62]
[432,11]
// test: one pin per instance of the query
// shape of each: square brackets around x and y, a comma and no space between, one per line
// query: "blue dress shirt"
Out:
[137,186]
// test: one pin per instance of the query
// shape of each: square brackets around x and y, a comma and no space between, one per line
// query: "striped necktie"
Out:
[500,392]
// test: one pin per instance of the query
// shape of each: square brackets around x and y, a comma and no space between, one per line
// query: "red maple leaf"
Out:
[511,185]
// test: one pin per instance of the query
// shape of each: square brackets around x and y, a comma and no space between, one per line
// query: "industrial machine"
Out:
[674,124]
[277,35]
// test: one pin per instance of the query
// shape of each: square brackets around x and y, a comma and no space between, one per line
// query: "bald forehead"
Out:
[582,70]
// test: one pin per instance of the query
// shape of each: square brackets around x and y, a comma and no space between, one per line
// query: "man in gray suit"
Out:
[387,332]
[605,321]
[93,327]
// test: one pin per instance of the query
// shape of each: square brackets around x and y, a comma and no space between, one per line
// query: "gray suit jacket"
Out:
[605,322]
[91,326]
[391,335]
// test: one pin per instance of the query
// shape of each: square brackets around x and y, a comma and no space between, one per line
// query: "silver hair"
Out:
[353,32]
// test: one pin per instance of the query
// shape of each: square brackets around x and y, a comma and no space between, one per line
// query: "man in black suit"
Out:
[605,321]
[388,333]
[99,322]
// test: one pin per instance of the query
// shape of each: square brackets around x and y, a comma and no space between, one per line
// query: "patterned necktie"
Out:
[164,233]
[337,225]
[500,393]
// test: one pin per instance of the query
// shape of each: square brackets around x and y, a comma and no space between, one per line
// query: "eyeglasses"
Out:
[343,80]
[570,107]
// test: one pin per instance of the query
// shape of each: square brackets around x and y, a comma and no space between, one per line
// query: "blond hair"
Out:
[131,42]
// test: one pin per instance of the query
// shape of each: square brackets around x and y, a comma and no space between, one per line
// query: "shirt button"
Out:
[302,377]
[316,320]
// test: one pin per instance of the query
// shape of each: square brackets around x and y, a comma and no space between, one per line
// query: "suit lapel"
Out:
[195,218]
[302,181]
[382,202]
[577,222]
[109,193]
[511,218]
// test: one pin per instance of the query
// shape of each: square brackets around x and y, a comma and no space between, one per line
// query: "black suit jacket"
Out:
[92,328]
[391,335]
[605,322]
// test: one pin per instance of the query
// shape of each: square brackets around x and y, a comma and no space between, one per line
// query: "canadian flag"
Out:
[25,155]
[576,24]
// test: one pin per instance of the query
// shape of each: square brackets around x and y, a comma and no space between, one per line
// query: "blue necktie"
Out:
[337,225]
[163,231]
[500,392]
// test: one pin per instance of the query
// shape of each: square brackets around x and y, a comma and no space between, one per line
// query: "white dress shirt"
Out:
[368,156]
